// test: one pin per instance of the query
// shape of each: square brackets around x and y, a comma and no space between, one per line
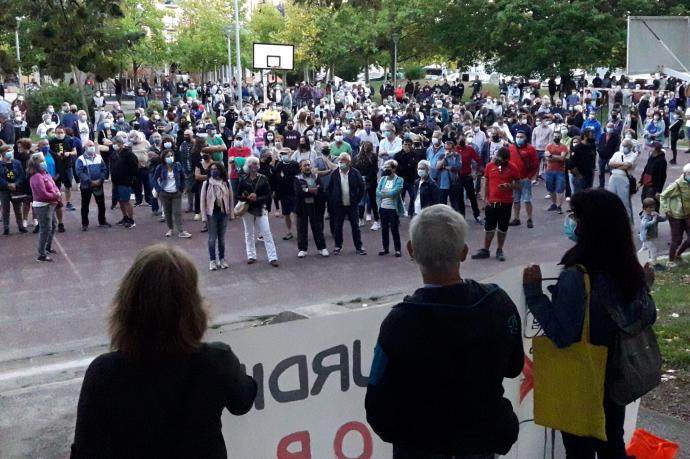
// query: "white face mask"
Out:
[338,138]
[91,150]
[436,141]
[167,145]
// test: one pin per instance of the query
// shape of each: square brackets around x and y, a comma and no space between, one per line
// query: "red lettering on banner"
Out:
[298,437]
[367,442]
[527,383]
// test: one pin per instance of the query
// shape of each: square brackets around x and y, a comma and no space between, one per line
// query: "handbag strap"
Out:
[588,291]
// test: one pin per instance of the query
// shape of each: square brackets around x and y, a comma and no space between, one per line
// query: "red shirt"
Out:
[467,155]
[243,152]
[525,159]
[494,178]
[556,149]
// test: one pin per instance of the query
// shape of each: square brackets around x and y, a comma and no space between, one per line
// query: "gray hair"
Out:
[424,163]
[438,235]
[248,161]
[392,163]
[34,160]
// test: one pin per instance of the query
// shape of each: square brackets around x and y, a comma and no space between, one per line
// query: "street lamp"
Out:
[228,32]
[237,53]
[19,57]
[396,37]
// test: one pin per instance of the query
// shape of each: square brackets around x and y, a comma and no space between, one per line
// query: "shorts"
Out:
[555,181]
[524,192]
[122,193]
[288,204]
[65,179]
[497,215]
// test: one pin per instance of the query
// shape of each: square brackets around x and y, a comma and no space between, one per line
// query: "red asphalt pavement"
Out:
[48,308]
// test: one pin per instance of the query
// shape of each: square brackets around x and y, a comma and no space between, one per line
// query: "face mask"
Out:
[42,166]
[60,136]
[237,143]
[495,138]
[520,142]
[116,147]
[343,166]
[628,136]
[476,129]
[289,127]
[687,178]
[156,141]
[564,131]
[436,141]
[422,173]
[556,140]
[167,145]
[91,150]
[338,138]
[83,118]
[284,158]
[626,150]
[9,155]
[569,226]
[462,143]
[215,173]
[656,118]
[247,129]
[169,160]
[204,157]
[269,138]
[51,110]
[609,130]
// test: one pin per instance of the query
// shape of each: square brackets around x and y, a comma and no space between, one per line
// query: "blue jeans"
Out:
[217,224]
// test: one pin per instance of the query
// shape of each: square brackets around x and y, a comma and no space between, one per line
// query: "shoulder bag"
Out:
[569,382]
[242,207]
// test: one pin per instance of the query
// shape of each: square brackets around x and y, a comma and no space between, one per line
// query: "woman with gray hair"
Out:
[46,198]
[389,200]
[622,163]
[425,191]
[255,190]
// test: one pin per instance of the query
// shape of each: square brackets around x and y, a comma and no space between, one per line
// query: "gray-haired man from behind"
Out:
[436,383]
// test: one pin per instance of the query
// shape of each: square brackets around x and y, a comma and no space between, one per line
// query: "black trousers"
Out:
[467,191]
[586,448]
[314,219]
[390,222]
[339,215]
[371,196]
[86,200]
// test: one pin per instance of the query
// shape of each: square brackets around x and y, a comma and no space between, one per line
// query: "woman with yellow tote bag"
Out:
[601,273]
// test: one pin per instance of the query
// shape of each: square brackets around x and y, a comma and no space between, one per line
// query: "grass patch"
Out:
[672,296]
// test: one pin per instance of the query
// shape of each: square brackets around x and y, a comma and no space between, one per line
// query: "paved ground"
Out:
[61,306]
[53,314]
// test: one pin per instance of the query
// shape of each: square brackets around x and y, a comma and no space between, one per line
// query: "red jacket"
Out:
[525,159]
[467,155]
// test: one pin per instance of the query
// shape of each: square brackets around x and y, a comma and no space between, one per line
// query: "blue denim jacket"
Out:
[161,174]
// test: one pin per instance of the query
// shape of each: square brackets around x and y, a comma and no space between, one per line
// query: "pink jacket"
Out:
[43,188]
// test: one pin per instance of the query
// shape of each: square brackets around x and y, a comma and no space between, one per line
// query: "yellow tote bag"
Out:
[569,382]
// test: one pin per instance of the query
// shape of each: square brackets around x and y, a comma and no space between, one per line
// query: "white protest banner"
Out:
[312,377]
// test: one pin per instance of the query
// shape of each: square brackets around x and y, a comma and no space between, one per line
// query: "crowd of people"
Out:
[310,156]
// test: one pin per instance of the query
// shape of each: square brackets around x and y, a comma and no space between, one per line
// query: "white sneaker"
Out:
[169,233]
[184,235]
[368,217]
[212,266]
[567,199]
[361,222]
[302,254]
[24,223]
[35,223]
[197,217]
[376,226]
[671,264]
[223,264]
[548,196]
[324,253]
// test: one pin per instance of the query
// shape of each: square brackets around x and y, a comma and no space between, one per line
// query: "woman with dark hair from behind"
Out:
[599,226]
[161,392]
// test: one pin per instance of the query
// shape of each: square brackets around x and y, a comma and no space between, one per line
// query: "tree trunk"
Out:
[80,86]
[366,72]
[306,73]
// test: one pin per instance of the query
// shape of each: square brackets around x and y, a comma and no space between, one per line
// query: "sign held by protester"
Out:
[312,377]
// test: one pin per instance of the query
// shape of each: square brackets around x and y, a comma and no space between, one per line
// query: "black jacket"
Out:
[656,168]
[318,200]
[584,159]
[436,382]
[429,193]
[169,408]
[123,167]
[407,166]
[263,193]
[335,197]
[607,149]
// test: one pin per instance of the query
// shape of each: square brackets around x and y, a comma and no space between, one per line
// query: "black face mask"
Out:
[387,172]
[461,143]
[205,157]
[495,138]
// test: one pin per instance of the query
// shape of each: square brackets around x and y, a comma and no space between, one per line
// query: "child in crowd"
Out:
[649,230]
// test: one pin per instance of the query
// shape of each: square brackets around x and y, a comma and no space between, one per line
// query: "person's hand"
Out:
[12,186]
[531,275]
[252,197]
[649,274]
[312,190]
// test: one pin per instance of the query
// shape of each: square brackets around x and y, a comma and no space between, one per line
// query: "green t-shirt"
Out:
[192,94]
[344,148]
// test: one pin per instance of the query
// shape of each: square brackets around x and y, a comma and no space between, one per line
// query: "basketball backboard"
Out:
[273,56]
[658,44]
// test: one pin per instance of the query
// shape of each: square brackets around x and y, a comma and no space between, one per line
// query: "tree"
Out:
[266,24]
[142,19]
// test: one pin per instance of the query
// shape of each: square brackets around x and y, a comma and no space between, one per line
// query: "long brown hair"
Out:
[158,310]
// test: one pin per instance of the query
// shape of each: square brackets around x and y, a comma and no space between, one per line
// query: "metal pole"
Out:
[237,53]
[396,37]
[19,57]
[228,31]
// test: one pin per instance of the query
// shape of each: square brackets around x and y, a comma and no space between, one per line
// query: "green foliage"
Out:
[144,22]
[671,296]
[348,70]
[414,72]
[38,101]
[155,106]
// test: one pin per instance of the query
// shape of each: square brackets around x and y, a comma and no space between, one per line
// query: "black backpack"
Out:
[634,362]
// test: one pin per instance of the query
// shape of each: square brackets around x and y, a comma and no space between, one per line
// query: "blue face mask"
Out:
[520,142]
[569,226]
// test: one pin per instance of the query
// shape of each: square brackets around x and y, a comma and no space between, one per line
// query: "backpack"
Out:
[634,362]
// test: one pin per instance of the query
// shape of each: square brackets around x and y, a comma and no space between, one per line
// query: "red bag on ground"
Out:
[645,445]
